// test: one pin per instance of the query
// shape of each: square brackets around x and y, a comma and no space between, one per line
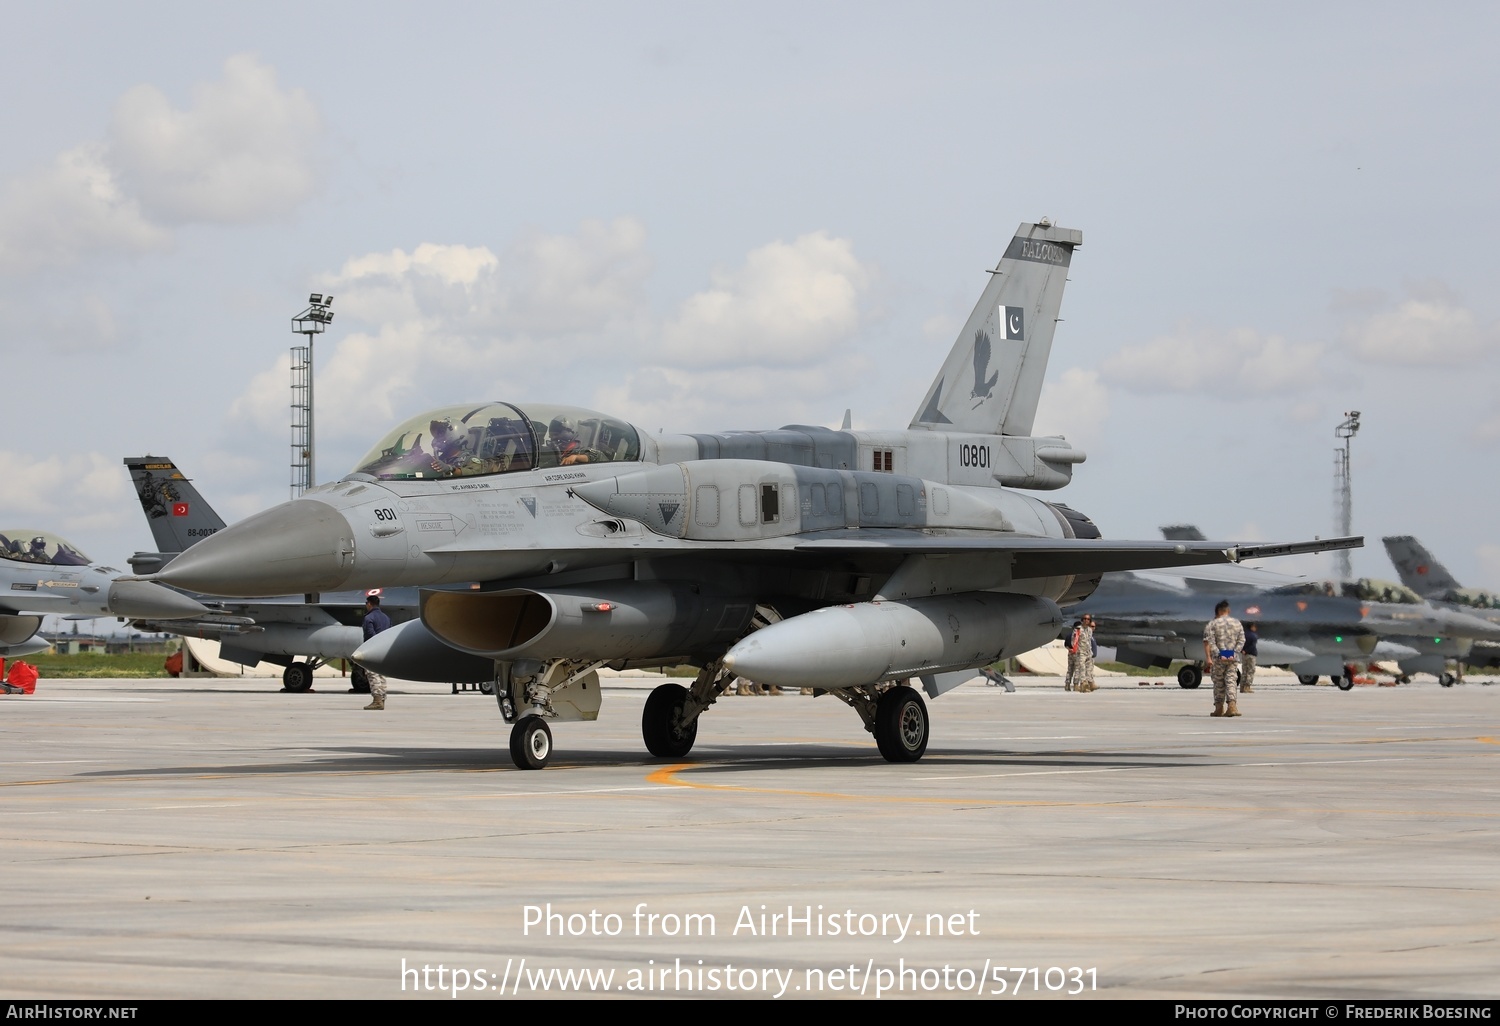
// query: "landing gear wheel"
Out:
[297,677]
[1344,683]
[531,743]
[901,725]
[661,723]
[486,687]
[1447,679]
[1190,676]
[1307,678]
[359,681]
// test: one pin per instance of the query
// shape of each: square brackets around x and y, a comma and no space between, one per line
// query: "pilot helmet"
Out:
[561,426]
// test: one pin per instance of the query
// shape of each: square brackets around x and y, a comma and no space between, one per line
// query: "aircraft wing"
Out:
[1051,557]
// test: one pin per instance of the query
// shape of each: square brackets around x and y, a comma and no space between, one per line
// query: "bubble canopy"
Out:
[498,438]
[28,546]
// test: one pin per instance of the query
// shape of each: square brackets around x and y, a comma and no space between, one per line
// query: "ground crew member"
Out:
[1088,648]
[1072,675]
[1247,658]
[375,622]
[1223,641]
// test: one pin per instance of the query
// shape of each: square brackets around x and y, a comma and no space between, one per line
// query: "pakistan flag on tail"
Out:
[992,380]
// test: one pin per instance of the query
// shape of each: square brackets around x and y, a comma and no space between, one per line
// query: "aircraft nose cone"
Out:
[298,547]
[142,600]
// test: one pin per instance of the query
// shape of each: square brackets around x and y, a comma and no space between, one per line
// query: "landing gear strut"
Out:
[669,723]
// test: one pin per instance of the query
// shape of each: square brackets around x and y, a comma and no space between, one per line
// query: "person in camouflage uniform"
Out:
[1072,647]
[1087,649]
[1247,658]
[1223,641]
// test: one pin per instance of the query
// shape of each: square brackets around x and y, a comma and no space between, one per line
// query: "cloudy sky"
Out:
[702,217]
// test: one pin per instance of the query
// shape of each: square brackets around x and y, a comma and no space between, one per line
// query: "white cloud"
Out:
[245,150]
[1227,363]
[728,398]
[1429,327]
[789,304]
[1074,404]
[57,322]
[79,492]
[71,210]
[448,323]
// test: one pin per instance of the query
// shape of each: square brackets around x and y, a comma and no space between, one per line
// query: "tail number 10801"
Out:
[973,455]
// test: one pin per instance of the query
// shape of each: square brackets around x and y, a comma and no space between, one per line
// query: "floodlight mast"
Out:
[310,322]
[1343,498]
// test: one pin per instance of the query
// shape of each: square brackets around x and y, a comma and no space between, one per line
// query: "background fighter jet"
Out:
[286,631]
[1423,574]
[847,561]
[41,575]
[1313,627]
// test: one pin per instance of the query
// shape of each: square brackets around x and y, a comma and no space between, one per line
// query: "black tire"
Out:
[901,725]
[531,743]
[297,677]
[663,710]
[359,681]
[1344,683]
[1447,679]
[1307,678]
[486,687]
[1190,676]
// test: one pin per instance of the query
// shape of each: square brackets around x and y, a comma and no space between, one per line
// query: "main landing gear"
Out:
[298,676]
[1190,676]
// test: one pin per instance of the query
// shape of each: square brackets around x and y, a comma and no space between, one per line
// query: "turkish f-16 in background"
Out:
[287,631]
[1423,574]
[1312,627]
[846,561]
[42,575]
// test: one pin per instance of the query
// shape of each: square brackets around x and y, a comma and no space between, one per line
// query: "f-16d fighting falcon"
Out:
[845,561]
[42,575]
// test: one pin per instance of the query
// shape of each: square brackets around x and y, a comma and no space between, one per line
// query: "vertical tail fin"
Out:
[1419,571]
[178,515]
[992,380]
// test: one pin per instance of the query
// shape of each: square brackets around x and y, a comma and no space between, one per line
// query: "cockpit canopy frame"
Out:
[498,438]
[24,545]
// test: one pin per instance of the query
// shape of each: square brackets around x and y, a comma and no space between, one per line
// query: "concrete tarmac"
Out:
[217,839]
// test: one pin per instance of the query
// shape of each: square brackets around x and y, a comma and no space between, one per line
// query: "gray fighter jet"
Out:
[847,561]
[286,631]
[42,575]
[1423,574]
[1314,628]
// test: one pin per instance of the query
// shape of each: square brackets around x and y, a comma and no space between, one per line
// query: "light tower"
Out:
[1343,501]
[309,322]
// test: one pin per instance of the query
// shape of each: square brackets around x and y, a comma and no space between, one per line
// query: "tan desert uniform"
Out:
[1084,679]
[1224,635]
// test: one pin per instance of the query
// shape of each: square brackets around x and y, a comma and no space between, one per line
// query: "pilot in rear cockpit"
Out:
[564,440]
